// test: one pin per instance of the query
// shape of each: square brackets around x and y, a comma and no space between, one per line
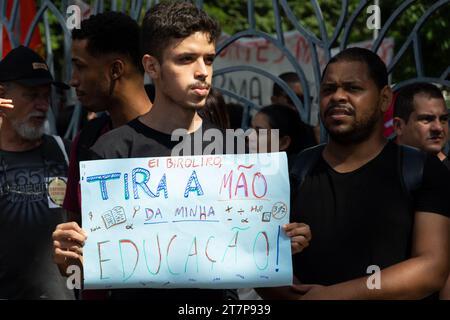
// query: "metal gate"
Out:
[323,43]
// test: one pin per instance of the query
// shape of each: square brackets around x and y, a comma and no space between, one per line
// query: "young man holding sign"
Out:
[179,41]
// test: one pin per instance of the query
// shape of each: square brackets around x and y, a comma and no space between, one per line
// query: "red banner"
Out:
[26,14]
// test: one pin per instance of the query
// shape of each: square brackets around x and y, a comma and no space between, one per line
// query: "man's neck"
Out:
[130,102]
[441,155]
[11,141]
[349,157]
[166,117]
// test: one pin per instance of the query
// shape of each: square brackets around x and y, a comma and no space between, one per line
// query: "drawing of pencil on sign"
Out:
[205,222]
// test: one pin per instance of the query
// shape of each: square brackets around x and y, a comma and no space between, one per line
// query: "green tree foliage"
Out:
[234,17]
[434,38]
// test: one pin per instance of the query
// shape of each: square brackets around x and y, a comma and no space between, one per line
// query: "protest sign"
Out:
[186,222]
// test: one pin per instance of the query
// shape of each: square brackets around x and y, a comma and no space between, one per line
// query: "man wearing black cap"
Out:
[33,167]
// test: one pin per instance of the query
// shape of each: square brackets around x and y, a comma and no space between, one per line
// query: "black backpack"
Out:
[410,162]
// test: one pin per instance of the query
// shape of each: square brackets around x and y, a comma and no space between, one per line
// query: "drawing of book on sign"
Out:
[114,217]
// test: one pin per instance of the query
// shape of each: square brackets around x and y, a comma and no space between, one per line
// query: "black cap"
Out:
[24,66]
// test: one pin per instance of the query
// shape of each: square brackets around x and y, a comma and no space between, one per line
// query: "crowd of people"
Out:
[358,201]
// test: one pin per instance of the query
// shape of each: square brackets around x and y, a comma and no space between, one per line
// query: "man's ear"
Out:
[151,66]
[285,142]
[399,126]
[117,69]
[386,98]
[273,99]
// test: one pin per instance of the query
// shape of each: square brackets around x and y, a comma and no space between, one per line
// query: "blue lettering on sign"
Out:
[196,188]
[162,186]
[127,192]
[143,184]
[102,179]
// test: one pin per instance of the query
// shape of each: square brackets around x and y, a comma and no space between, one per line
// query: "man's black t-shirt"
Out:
[31,183]
[363,217]
[135,140]
[446,162]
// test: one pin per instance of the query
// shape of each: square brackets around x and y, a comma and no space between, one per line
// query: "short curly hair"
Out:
[174,19]
[376,67]
[111,32]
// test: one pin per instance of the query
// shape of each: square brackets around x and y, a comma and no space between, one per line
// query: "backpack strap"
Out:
[301,166]
[89,135]
[304,162]
[411,162]
[53,143]
[62,148]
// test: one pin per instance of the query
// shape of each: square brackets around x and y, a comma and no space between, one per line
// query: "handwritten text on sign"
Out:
[201,221]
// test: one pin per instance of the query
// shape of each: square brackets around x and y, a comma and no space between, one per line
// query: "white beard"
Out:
[27,131]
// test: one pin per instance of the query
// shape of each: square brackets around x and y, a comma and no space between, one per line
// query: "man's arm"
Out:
[445,292]
[421,275]
[279,293]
